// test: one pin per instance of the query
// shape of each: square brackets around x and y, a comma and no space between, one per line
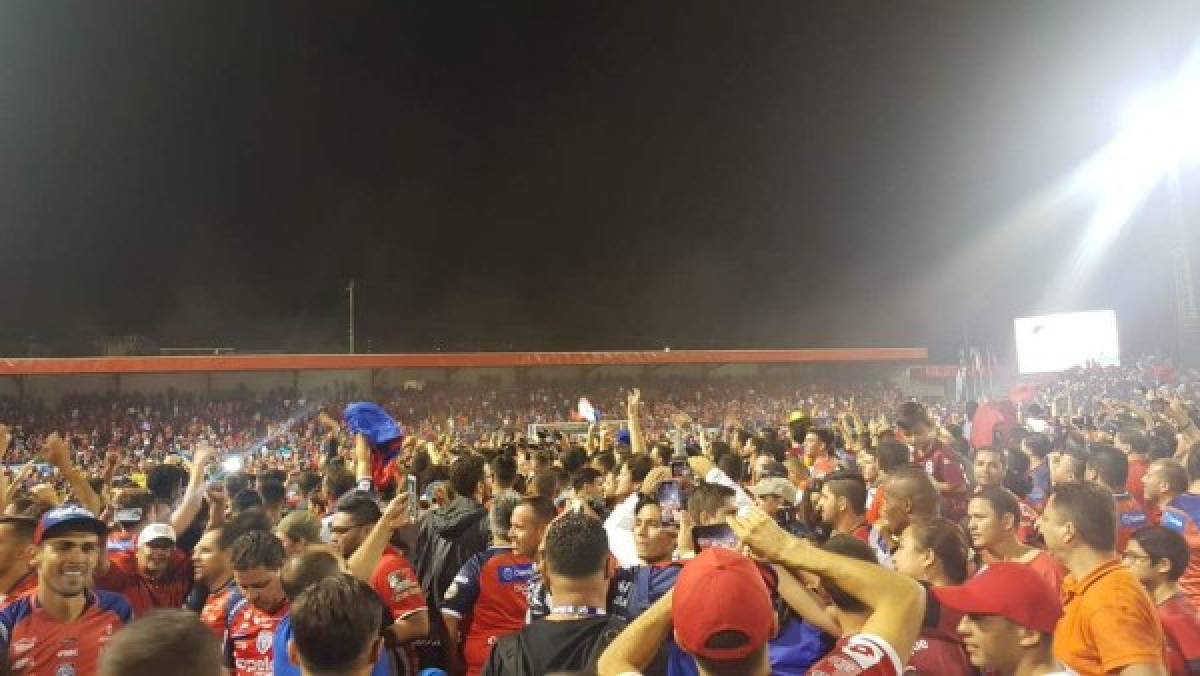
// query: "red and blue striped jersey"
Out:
[39,645]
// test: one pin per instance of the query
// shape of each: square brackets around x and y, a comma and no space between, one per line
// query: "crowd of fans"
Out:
[694,528]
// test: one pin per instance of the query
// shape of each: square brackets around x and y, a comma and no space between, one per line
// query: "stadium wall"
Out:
[51,379]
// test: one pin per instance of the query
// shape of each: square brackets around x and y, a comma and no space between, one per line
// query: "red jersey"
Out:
[216,609]
[250,641]
[144,593]
[1049,570]
[489,597]
[395,581]
[939,653]
[39,645]
[876,509]
[19,588]
[859,654]
[1130,519]
[941,462]
[1181,625]
[938,650]
[1182,515]
[1133,484]
[1027,531]
[862,532]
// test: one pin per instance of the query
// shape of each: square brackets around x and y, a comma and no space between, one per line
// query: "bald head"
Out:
[910,495]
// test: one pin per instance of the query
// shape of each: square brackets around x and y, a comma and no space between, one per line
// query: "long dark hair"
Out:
[948,543]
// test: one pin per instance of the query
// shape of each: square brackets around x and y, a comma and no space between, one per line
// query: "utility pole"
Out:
[350,291]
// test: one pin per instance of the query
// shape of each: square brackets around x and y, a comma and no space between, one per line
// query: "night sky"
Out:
[564,175]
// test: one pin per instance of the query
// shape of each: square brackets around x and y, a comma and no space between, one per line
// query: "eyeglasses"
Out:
[1130,556]
[344,529]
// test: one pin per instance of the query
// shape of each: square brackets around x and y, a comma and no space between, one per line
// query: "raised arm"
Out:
[635,647]
[897,603]
[806,606]
[193,497]
[57,453]
[633,410]
[5,437]
[18,480]
[362,462]
[363,561]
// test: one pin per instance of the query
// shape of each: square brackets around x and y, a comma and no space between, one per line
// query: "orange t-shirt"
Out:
[1108,623]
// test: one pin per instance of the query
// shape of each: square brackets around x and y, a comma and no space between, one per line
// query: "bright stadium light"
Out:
[1160,135]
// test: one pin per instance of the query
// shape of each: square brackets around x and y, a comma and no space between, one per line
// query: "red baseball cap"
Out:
[721,591]
[1013,591]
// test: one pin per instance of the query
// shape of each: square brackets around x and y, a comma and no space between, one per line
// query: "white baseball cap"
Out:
[156,531]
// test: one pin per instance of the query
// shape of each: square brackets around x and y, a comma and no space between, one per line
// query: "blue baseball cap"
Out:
[68,516]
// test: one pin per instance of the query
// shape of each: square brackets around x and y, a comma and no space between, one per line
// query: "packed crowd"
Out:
[693,528]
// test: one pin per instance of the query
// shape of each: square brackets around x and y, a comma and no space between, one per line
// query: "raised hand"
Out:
[761,534]
[203,455]
[653,478]
[634,402]
[396,513]
[56,452]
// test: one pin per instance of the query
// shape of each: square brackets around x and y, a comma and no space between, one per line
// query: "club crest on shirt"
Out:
[265,638]
[65,670]
[401,587]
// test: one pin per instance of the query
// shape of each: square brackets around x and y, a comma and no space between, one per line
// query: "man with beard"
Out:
[59,627]
[157,575]
[214,575]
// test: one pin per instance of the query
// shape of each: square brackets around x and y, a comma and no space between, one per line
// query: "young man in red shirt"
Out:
[59,627]
[938,459]
[1108,466]
[393,578]
[1172,506]
[1008,619]
[214,577]
[842,507]
[1158,556]
[253,618]
[1136,446]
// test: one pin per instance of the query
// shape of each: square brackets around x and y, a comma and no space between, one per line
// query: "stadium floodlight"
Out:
[1159,135]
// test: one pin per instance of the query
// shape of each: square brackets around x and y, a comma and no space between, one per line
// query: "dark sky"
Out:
[562,175]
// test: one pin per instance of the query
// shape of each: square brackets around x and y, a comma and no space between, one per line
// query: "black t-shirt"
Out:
[545,646]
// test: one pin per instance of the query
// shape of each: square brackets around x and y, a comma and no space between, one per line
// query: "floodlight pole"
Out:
[350,292]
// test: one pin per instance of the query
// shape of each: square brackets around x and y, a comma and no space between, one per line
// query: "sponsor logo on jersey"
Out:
[518,573]
[1133,519]
[401,587]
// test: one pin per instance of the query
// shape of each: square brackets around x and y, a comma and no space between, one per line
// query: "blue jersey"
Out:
[386,666]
